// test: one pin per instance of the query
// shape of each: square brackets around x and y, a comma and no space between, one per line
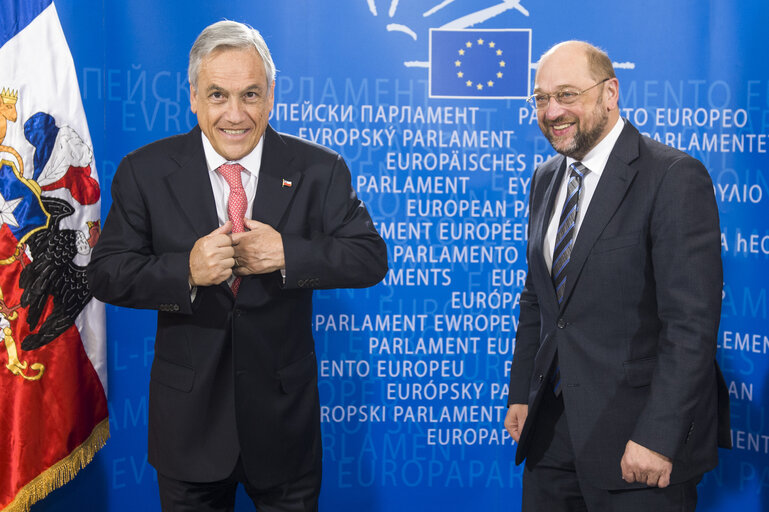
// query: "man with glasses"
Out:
[616,400]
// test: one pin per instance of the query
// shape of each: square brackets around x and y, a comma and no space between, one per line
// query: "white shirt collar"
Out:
[251,162]
[597,157]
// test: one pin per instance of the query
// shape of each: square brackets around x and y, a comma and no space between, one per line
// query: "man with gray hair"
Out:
[226,231]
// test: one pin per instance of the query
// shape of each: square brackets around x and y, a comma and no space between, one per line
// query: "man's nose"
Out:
[553,110]
[234,111]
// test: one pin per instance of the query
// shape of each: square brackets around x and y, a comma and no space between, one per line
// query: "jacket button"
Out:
[541,377]
[561,323]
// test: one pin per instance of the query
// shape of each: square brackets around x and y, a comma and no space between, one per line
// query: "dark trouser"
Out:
[551,482]
[300,495]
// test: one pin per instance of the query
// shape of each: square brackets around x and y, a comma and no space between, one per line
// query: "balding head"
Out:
[597,61]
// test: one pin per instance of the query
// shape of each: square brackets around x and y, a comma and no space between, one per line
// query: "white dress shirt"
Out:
[250,176]
[595,160]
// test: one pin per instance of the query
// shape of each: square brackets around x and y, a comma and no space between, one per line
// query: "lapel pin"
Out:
[287,184]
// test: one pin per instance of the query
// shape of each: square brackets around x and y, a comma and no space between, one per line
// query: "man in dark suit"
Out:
[615,400]
[226,231]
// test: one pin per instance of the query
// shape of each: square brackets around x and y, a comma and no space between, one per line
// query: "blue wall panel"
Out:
[412,427]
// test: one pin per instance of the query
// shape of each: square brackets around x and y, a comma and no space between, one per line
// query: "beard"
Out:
[582,141]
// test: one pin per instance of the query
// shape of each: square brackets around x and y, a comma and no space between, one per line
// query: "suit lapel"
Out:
[278,181]
[611,190]
[191,186]
[552,178]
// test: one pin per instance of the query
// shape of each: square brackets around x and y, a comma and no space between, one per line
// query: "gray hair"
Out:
[228,34]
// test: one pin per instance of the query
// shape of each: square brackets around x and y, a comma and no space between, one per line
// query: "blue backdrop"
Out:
[413,372]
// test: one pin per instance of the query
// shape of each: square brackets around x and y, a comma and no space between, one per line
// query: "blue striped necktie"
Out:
[565,242]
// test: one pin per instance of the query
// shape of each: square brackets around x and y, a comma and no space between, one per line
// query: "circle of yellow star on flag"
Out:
[466,53]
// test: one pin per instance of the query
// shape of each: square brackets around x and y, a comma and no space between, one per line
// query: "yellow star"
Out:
[469,44]
[457,63]
[501,63]
[480,87]
[469,83]
[461,52]
[499,52]
[492,44]
[460,74]
[480,41]
[490,83]
[499,75]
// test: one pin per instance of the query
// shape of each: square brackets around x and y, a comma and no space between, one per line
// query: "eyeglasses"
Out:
[566,97]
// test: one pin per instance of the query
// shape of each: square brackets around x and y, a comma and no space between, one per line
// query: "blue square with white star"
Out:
[480,63]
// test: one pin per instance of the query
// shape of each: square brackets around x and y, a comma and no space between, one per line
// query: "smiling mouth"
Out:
[560,128]
[234,132]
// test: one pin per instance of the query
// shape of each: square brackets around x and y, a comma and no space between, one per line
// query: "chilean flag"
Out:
[53,350]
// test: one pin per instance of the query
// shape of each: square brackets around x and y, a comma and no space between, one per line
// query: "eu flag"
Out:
[480,63]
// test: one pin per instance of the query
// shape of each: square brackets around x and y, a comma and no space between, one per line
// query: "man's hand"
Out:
[516,416]
[640,464]
[211,258]
[258,250]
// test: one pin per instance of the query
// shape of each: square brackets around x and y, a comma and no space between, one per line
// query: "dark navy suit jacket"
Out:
[233,376]
[636,332]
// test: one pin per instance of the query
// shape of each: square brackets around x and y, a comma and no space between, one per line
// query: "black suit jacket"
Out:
[636,331]
[233,376]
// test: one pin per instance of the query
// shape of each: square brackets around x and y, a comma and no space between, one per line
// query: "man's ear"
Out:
[193,99]
[611,93]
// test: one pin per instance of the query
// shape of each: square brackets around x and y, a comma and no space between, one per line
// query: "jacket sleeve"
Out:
[686,257]
[347,252]
[125,267]
[528,332]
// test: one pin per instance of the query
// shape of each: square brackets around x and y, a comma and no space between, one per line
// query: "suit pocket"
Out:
[172,375]
[298,373]
[638,372]
[616,242]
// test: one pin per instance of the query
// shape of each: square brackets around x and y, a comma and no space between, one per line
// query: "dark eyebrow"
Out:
[216,88]
[254,87]
[537,90]
[213,88]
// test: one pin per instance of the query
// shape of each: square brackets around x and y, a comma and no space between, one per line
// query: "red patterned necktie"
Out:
[236,203]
